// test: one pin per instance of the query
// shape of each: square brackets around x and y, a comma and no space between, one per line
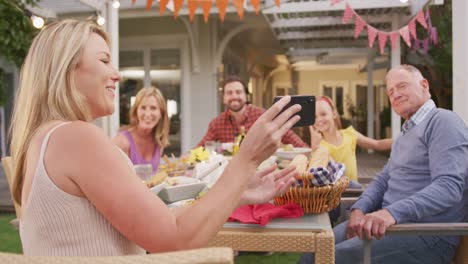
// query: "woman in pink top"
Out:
[148,133]
[78,193]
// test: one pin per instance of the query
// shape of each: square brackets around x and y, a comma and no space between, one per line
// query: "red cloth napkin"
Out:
[263,213]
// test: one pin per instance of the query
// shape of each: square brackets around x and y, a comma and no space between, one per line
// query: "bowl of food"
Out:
[289,152]
[180,188]
[157,188]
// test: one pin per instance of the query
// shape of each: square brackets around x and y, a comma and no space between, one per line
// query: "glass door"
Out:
[133,74]
[165,74]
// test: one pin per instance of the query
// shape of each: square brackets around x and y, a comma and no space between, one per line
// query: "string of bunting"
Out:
[432,38]
[206,7]
[407,32]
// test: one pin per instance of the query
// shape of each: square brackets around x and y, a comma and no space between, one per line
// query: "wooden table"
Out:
[310,233]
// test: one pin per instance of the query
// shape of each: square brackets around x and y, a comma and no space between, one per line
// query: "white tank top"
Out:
[55,223]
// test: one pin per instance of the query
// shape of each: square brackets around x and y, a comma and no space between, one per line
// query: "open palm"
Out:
[268,183]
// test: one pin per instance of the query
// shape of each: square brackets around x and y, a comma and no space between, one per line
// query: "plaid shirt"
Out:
[419,116]
[224,127]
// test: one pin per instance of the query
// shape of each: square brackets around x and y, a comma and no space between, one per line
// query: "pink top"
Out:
[136,157]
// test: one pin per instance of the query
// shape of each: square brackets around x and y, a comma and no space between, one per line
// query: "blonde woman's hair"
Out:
[161,131]
[47,87]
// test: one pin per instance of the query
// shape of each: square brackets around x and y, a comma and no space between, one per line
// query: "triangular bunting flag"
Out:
[149,3]
[434,36]
[404,32]
[133,2]
[192,7]
[371,34]
[162,6]
[256,5]
[383,36]
[278,3]
[222,5]
[239,4]
[425,43]
[421,19]
[177,6]
[394,38]
[206,6]
[412,28]
[416,44]
[347,14]
[360,24]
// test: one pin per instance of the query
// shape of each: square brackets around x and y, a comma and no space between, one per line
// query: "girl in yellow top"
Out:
[341,143]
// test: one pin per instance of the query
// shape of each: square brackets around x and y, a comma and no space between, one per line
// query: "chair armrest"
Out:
[352,192]
[194,256]
[429,229]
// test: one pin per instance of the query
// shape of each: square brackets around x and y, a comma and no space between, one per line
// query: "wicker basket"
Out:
[314,199]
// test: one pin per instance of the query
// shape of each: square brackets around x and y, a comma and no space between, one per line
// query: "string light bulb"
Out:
[100,20]
[116,4]
[38,22]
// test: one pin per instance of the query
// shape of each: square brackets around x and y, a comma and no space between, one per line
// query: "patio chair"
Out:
[220,255]
[7,163]
[461,255]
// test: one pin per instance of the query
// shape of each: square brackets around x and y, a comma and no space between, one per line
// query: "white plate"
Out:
[157,188]
[186,188]
[290,154]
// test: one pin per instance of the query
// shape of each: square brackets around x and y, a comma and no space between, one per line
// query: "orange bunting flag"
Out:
[162,6]
[222,5]
[206,6]
[192,6]
[256,5]
[149,3]
[133,2]
[177,6]
[239,4]
[278,3]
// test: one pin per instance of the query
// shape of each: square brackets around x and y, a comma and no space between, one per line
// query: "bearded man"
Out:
[239,113]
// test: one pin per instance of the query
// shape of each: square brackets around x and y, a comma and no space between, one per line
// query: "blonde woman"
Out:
[77,190]
[147,135]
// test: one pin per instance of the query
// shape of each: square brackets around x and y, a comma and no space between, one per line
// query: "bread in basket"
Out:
[312,198]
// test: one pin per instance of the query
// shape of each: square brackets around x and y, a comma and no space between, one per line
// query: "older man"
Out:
[424,181]
[226,126]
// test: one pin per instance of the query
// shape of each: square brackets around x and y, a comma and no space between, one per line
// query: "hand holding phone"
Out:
[307,112]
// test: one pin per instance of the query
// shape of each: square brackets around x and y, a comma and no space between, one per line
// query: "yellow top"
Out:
[345,152]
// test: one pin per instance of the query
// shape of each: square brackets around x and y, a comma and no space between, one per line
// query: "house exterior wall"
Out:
[199,98]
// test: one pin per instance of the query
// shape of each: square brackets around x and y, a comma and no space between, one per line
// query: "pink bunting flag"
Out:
[360,24]
[348,14]
[383,36]
[434,36]
[425,43]
[412,28]
[404,32]
[421,19]
[416,44]
[371,34]
[394,38]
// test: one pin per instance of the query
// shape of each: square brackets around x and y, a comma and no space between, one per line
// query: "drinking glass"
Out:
[210,146]
[144,171]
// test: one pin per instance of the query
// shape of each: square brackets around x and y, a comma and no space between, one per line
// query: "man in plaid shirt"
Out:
[226,126]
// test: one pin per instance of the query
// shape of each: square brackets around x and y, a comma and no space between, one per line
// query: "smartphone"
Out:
[307,112]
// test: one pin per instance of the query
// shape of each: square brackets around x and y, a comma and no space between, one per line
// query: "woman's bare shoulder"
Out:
[78,137]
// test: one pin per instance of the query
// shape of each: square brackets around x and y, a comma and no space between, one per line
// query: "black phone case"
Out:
[307,112]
